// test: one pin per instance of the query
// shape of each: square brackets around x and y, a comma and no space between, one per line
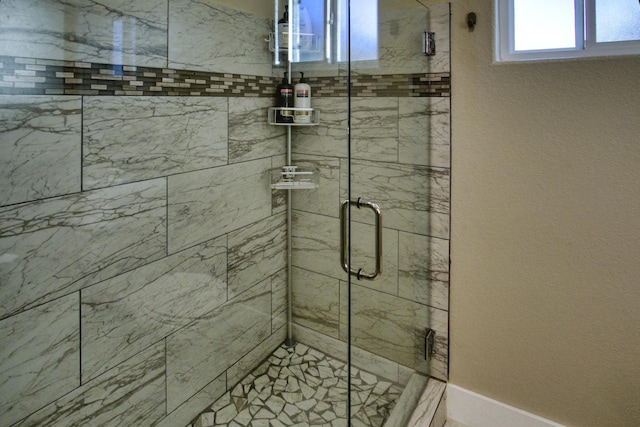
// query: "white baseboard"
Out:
[475,410]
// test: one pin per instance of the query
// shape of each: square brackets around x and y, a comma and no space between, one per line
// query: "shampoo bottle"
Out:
[283,28]
[302,99]
[284,98]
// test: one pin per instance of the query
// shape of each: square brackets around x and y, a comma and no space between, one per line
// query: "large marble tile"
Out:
[39,356]
[57,246]
[424,270]
[208,203]
[131,394]
[425,131]
[440,24]
[250,134]
[279,300]
[186,412]
[132,138]
[120,32]
[374,129]
[415,199]
[316,302]
[394,328]
[235,44]
[126,314]
[366,358]
[330,137]
[278,197]
[256,252]
[243,367]
[39,147]
[437,364]
[209,346]
[316,244]
[325,200]
[363,253]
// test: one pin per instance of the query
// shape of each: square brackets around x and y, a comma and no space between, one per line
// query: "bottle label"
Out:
[303,93]
[286,97]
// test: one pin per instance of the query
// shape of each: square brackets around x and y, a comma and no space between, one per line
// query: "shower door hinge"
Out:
[429,343]
[429,43]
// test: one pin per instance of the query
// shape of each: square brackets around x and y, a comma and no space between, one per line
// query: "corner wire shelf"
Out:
[308,43]
[291,116]
[294,178]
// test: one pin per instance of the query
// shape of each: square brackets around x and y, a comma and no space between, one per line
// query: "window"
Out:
[364,30]
[320,30]
[548,29]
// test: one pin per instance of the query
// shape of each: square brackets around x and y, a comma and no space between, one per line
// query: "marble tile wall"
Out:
[151,131]
[40,354]
[121,32]
[400,149]
[142,254]
[213,343]
[112,310]
[54,122]
[56,246]
[130,394]
[135,218]
[235,42]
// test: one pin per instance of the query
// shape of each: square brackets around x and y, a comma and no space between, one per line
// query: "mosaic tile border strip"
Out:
[31,76]
[392,85]
[28,76]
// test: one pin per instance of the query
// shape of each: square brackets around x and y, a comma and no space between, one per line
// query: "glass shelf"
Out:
[310,118]
[294,178]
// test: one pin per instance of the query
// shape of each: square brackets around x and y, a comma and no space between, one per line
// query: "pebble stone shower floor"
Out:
[300,386]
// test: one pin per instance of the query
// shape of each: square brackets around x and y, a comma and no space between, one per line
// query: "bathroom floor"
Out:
[302,386]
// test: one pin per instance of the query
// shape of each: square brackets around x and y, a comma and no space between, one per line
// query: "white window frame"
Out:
[586,45]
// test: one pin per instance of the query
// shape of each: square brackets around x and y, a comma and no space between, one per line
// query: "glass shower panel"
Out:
[399,159]
[381,137]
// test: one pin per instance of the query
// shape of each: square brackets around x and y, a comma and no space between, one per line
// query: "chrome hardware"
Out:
[344,219]
[429,43]
[429,343]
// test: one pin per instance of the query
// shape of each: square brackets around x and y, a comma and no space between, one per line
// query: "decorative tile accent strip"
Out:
[30,76]
[384,85]
[52,77]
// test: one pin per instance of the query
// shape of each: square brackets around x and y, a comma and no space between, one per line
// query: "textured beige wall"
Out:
[545,246]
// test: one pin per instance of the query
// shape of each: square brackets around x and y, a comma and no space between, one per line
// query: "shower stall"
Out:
[170,253]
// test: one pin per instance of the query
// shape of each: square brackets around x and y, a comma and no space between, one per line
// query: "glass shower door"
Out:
[381,208]
[398,159]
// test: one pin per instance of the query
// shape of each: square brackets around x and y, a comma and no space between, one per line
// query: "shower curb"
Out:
[421,404]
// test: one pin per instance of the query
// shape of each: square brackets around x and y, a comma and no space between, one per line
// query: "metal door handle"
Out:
[360,273]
